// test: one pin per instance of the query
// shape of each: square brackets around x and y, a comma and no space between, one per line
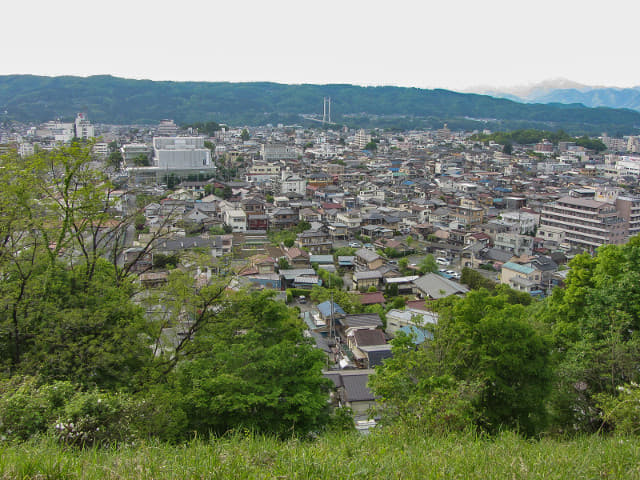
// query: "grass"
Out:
[382,455]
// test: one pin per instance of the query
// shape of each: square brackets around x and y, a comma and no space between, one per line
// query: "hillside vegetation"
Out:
[381,455]
[114,100]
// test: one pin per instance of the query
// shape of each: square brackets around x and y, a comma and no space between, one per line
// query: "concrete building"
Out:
[83,127]
[272,152]
[167,128]
[263,173]
[181,153]
[587,223]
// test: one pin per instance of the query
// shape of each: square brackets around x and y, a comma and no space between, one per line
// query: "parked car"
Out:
[355,245]
[302,299]
[442,261]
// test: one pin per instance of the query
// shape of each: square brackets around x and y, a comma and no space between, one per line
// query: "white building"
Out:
[361,139]
[236,219]
[181,153]
[83,127]
[292,183]
[59,131]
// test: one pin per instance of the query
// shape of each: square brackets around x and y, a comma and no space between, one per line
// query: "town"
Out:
[359,229]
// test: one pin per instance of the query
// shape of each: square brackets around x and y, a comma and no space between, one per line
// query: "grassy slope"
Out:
[381,455]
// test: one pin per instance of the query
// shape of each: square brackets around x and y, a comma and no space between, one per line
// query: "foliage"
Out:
[528,137]
[482,342]
[428,265]
[204,128]
[594,323]
[165,261]
[344,252]
[330,279]
[621,411]
[475,280]
[253,370]
[283,264]
[349,302]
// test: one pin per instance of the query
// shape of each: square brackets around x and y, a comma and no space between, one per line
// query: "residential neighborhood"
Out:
[360,240]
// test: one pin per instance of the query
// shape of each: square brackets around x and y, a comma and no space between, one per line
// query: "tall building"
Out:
[362,139]
[587,223]
[83,127]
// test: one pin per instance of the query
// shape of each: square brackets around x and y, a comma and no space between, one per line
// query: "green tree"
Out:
[258,368]
[245,135]
[428,265]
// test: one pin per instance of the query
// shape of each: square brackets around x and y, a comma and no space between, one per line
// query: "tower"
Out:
[326,110]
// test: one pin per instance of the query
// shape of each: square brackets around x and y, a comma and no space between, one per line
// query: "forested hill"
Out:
[108,99]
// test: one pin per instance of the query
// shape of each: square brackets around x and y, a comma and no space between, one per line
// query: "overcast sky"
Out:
[445,43]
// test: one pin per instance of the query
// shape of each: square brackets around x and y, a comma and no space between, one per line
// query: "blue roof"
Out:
[419,334]
[325,309]
[518,268]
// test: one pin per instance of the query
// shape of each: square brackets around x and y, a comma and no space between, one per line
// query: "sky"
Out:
[426,44]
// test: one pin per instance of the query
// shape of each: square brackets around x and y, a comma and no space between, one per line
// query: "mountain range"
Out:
[567,92]
[114,100]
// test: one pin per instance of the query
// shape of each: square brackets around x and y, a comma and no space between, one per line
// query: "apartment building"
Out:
[587,223]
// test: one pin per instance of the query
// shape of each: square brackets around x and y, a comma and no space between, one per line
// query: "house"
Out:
[297,258]
[330,310]
[371,298]
[359,339]
[435,286]
[291,276]
[315,241]
[351,390]
[236,219]
[365,279]
[524,278]
[368,260]
[397,319]
[283,218]
[404,284]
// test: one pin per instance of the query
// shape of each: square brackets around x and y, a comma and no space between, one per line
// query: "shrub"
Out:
[96,418]
[27,408]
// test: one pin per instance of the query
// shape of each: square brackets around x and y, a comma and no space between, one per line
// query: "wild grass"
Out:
[381,455]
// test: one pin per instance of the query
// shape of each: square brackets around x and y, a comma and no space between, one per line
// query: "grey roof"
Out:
[354,383]
[369,337]
[362,320]
[292,273]
[367,255]
[377,354]
[498,255]
[367,275]
[436,286]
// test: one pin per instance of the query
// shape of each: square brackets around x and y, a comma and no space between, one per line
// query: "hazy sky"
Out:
[445,43]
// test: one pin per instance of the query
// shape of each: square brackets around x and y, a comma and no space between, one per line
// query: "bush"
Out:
[96,418]
[27,408]
[621,412]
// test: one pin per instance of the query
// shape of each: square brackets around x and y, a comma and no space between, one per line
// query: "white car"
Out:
[355,245]
[442,261]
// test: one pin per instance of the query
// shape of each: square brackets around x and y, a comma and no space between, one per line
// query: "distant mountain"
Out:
[568,92]
[109,99]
